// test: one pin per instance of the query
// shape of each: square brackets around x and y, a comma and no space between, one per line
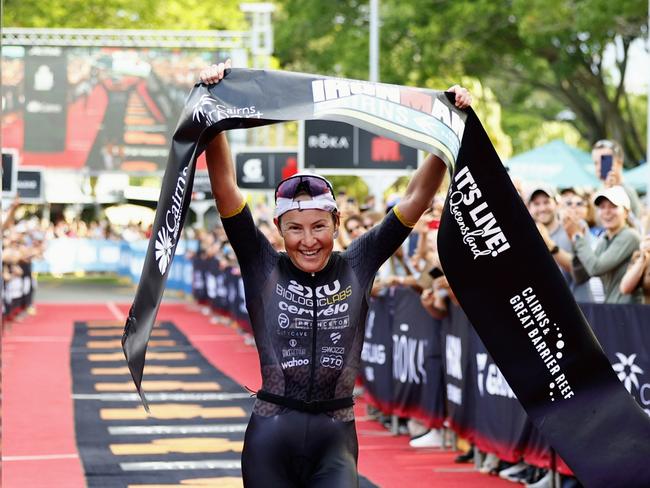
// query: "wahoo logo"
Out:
[294,363]
[335,337]
[163,251]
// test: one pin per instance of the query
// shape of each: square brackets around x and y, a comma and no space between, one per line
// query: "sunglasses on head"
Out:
[314,185]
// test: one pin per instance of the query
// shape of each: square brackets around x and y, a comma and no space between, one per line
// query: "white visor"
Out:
[321,202]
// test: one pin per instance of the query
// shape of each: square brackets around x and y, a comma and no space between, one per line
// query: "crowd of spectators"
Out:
[599,238]
[22,242]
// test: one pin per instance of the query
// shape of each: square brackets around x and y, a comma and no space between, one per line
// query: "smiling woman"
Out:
[307,307]
[614,250]
[307,217]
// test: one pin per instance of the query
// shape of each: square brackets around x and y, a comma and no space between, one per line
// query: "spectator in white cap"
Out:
[612,254]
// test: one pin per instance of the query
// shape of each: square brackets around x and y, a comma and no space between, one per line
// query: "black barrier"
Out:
[417,360]
[18,292]
[416,366]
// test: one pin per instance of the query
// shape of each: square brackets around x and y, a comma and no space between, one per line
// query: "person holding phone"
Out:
[608,157]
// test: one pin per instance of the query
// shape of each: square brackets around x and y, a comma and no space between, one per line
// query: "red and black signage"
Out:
[46,106]
[264,170]
[329,145]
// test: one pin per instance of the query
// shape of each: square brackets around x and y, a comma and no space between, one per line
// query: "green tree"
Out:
[123,14]
[548,53]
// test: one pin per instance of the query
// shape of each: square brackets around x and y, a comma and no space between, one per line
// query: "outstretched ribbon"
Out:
[494,258]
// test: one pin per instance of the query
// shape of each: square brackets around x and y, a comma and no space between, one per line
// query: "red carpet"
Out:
[38,438]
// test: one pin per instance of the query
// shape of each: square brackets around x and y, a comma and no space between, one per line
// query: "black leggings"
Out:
[300,450]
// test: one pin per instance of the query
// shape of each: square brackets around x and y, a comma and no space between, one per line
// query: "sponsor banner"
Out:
[29,184]
[376,355]
[459,372]
[46,106]
[417,360]
[75,255]
[337,145]
[495,260]
[264,170]
[501,424]
[515,297]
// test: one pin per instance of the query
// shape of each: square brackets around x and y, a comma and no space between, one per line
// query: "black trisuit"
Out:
[309,331]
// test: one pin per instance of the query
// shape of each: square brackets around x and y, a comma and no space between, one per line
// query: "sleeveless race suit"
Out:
[309,331]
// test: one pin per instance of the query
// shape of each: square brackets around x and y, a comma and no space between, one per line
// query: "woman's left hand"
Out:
[463,97]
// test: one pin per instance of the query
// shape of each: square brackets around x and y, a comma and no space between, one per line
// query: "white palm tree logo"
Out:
[627,371]
[206,108]
[163,249]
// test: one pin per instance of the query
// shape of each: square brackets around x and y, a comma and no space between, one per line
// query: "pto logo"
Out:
[334,361]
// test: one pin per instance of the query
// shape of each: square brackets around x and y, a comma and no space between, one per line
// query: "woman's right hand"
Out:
[214,74]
